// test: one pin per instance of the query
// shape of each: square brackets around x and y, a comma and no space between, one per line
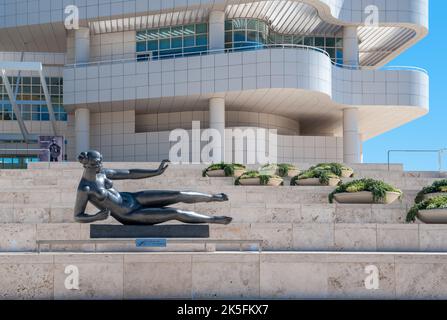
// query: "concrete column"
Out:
[217,122]
[82,130]
[216,33]
[350,46]
[82,45]
[351,141]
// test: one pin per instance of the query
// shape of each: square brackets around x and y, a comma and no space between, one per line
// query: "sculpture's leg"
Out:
[162,198]
[151,216]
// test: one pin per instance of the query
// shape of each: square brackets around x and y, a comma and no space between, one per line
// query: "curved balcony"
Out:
[293,81]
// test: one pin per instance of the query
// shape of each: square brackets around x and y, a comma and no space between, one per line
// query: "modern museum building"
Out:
[118,76]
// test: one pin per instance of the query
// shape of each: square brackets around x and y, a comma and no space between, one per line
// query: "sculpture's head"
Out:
[91,159]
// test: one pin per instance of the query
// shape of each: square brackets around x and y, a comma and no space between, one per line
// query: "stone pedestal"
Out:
[98,231]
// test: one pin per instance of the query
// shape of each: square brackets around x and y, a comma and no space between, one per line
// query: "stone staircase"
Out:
[312,249]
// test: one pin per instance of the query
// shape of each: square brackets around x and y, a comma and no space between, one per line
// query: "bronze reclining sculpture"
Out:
[135,208]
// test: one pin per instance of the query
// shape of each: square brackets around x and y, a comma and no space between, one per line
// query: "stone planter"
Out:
[273,182]
[434,195]
[364,197]
[221,173]
[216,173]
[346,173]
[433,216]
[333,182]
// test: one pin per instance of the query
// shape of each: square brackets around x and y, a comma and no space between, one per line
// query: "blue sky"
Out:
[429,132]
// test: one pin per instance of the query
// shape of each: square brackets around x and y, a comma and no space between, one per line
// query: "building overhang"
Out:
[399,27]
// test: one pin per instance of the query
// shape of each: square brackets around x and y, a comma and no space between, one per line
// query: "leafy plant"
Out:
[263,178]
[429,204]
[437,186]
[335,168]
[378,189]
[228,168]
[323,175]
[282,169]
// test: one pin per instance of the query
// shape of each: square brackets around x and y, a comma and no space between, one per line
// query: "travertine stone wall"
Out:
[223,275]
[114,134]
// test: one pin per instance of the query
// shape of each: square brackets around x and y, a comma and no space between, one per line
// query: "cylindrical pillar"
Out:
[351,141]
[350,46]
[217,122]
[82,130]
[82,45]
[217,30]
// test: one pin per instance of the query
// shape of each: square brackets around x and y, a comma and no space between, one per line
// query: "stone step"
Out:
[225,275]
[70,180]
[249,196]
[276,236]
[302,165]
[241,212]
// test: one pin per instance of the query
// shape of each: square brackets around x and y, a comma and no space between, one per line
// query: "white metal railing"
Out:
[241,49]
[410,68]
[200,53]
[440,154]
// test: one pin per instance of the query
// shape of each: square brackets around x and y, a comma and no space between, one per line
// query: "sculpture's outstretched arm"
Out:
[113,174]
[81,205]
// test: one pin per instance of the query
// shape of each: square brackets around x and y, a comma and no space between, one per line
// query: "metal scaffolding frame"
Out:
[14,66]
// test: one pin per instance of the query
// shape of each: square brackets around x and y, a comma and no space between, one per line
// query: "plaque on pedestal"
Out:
[98,231]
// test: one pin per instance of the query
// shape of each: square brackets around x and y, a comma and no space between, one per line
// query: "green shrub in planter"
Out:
[228,168]
[378,189]
[264,179]
[437,187]
[336,168]
[281,169]
[323,175]
[429,204]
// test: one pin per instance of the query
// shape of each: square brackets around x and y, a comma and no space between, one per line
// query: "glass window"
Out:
[239,36]
[177,31]
[45,117]
[201,28]
[141,46]
[228,25]
[168,41]
[201,40]
[164,33]
[63,116]
[339,42]
[152,45]
[252,36]
[239,24]
[298,40]
[176,42]
[252,24]
[188,41]
[141,36]
[330,42]
[165,44]
[309,41]
[189,29]
[228,37]
[319,42]
[152,34]
[287,39]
